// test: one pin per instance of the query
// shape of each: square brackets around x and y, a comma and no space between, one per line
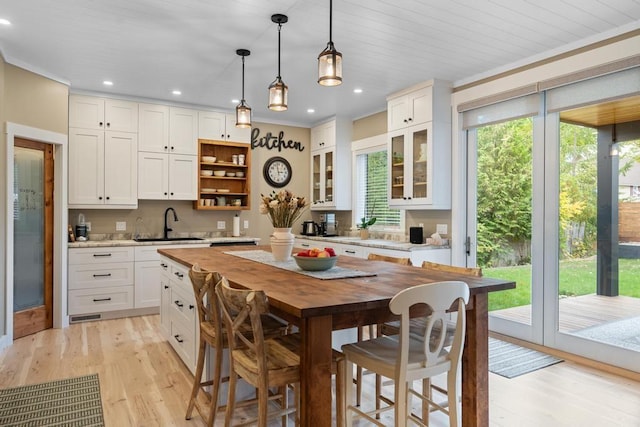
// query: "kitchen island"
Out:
[318,307]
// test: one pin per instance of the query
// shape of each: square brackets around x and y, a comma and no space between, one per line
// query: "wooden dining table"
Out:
[319,307]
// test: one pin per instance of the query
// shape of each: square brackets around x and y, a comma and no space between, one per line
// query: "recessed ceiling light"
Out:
[310,110]
[235,101]
[4,21]
[357,90]
[176,92]
[107,83]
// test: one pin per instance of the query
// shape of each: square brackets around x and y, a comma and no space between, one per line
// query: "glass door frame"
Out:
[535,331]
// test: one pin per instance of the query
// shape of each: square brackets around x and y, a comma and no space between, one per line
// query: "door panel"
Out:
[33,237]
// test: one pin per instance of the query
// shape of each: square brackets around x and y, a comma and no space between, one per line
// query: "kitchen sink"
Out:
[168,239]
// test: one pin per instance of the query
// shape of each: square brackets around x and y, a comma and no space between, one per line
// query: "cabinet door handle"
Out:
[100,198]
[172,194]
[100,123]
[177,337]
[172,148]
[101,299]
[178,303]
[166,287]
[165,193]
[102,275]
[191,307]
[410,119]
[228,136]
[222,136]
[108,197]
[180,275]
[101,255]
[108,124]
[405,120]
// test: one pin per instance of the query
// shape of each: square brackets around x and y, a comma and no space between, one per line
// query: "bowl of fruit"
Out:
[316,259]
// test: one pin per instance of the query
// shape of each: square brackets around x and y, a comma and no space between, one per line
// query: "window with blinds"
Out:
[372,192]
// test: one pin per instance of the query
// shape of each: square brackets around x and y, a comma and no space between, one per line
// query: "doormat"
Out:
[623,333]
[511,360]
[68,402]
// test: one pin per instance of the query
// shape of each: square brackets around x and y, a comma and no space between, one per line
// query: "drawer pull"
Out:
[305,245]
[350,252]
[180,275]
[166,286]
[163,265]
[177,337]
[101,255]
[102,275]
[101,299]
[178,303]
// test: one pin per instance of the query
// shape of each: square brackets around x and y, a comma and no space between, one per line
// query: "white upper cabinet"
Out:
[165,129]
[164,176]
[221,127]
[102,169]
[323,136]
[419,150]
[183,131]
[153,128]
[331,165]
[89,112]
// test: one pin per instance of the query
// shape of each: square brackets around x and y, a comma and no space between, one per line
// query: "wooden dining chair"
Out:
[405,358]
[417,327]
[358,379]
[212,334]
[264,362]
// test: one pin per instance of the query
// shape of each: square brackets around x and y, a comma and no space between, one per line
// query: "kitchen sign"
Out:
[271,142]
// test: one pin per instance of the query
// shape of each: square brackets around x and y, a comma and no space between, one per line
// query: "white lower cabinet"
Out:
[178,311]
[100,279]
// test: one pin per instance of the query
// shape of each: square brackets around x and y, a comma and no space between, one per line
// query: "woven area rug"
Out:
[510,360]
[68,402]
[623,333]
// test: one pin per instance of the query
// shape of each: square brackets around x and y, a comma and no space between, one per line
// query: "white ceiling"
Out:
[150,47]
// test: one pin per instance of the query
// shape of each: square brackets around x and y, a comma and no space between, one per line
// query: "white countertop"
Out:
[374,243]
[125,242]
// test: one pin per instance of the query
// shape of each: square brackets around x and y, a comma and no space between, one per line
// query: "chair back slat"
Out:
[387,258]
[468,271]
[203,283]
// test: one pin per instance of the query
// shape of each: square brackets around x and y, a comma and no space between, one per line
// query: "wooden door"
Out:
[33,238]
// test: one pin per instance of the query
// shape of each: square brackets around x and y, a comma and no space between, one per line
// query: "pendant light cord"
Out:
[279,28]
[330,21]
[243,78]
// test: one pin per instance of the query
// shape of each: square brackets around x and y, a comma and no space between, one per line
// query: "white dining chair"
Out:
[405,358]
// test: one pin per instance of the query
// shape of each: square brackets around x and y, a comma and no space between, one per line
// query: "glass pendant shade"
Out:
[243,115]
[278,93]
[330,66]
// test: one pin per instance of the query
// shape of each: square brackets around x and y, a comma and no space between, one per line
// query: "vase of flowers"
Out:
[283,209]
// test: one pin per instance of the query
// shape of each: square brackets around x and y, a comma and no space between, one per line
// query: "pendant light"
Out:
[243,111]
[330,60]
[277,89]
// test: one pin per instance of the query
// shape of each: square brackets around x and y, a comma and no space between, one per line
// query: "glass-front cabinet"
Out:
[410,166]
[322,164]
[331,165]
[420,147]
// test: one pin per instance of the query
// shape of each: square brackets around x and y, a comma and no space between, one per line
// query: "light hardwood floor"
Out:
[143,383]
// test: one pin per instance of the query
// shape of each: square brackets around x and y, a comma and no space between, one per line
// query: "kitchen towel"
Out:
[236,226]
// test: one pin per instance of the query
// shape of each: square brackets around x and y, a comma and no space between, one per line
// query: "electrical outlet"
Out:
[441,229]
[421,225]
[222,225]
[246,223]
[121,226]
[88,224]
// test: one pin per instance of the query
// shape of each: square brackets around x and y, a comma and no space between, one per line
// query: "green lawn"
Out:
[577,277]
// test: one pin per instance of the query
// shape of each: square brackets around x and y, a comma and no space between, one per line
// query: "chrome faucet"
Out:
[166,222]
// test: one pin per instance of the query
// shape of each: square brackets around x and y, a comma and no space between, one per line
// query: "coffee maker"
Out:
[328,225]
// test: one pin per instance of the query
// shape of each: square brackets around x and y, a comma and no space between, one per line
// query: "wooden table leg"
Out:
[315,372]
[475,364]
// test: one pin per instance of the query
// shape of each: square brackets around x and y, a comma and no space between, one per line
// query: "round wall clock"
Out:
[277,172]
